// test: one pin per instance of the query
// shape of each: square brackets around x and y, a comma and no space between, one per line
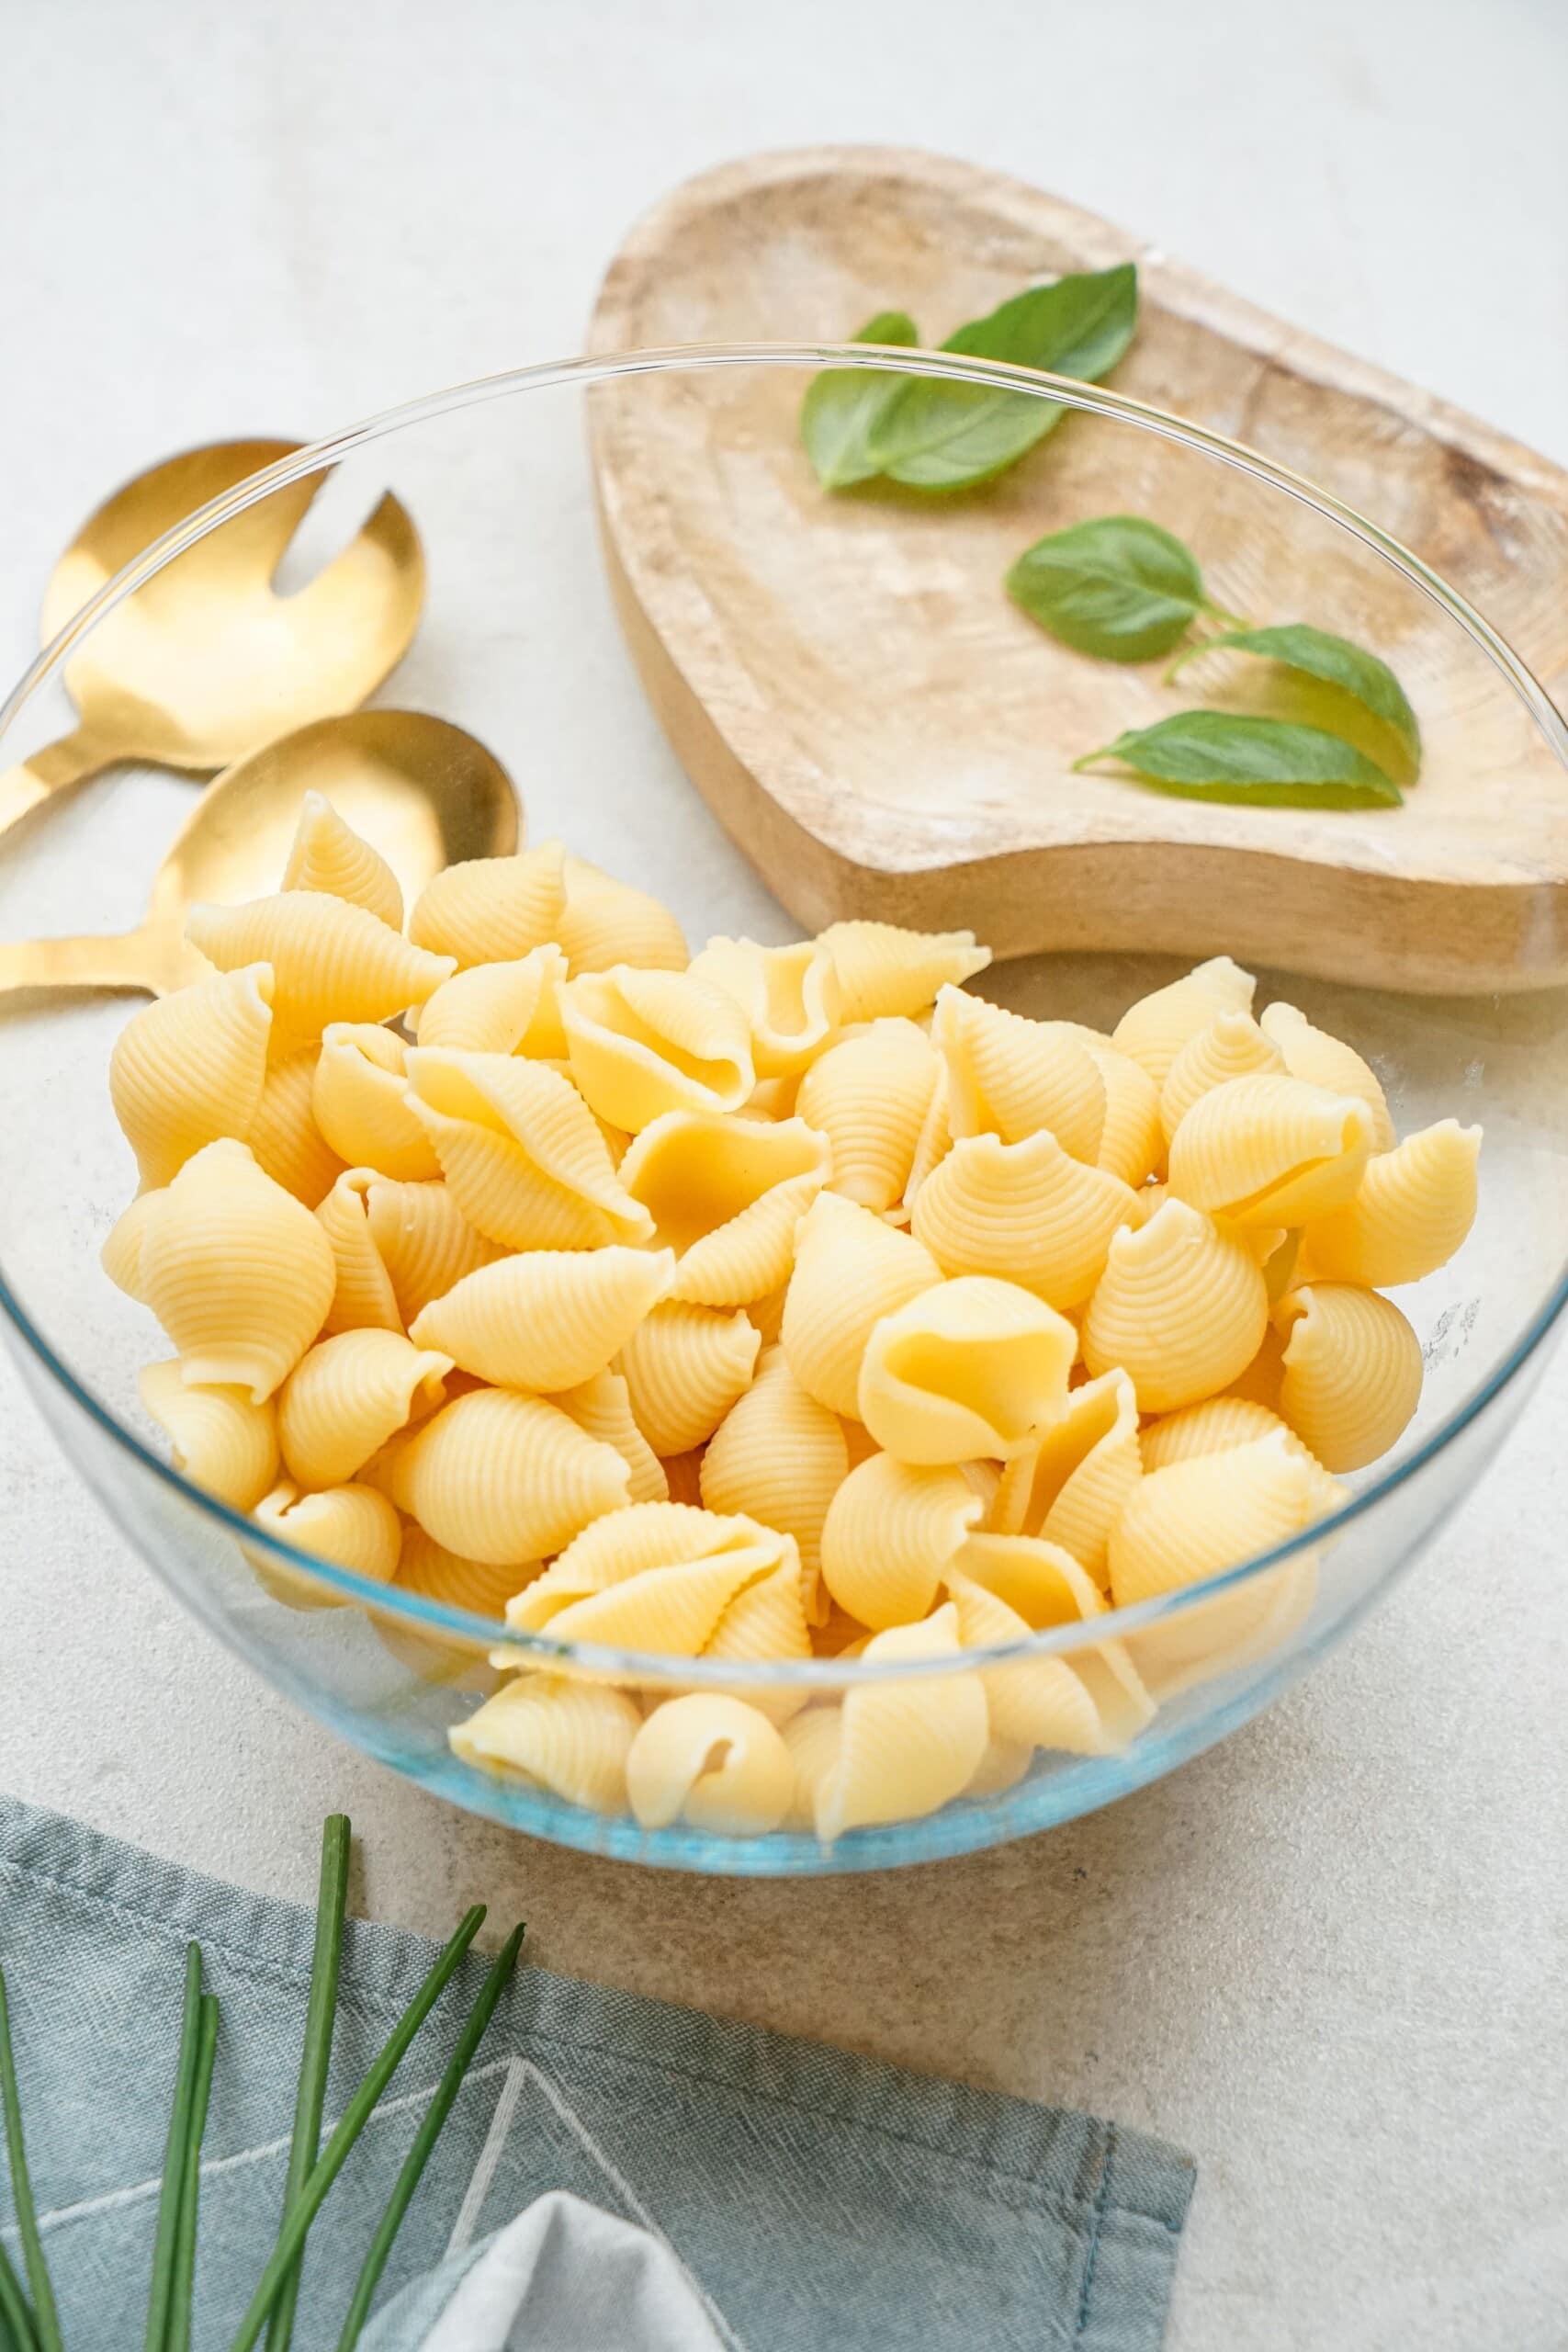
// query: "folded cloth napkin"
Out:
[612,2164]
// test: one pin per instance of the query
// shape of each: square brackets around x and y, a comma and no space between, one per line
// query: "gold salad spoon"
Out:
[422,791]
[208,660]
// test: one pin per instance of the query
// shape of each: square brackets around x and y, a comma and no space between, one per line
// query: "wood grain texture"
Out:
[884,734]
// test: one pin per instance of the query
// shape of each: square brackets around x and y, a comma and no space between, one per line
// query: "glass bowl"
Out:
[520,645]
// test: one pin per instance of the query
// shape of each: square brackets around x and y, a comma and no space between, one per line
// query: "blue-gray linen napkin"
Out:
[807,2199]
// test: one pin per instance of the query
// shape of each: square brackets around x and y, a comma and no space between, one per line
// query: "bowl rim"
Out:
[433,1618]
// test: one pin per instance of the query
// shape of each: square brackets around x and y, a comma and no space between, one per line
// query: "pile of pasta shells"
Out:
[763,1304]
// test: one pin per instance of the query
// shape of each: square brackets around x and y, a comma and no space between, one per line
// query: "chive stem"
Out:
[14,2316]
[179,2339]
[308,2204]
[45,2317]
[316,2057]
[425,2141]
[159,2297]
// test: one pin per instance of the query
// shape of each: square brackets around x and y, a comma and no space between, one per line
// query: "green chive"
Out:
[178,2337]
[425,2141]
[156,2338]
[46,2319]
[14,2316]
[308,2202]
[330,1901]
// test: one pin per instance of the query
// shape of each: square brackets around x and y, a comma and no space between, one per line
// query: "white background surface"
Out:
[1330,1957]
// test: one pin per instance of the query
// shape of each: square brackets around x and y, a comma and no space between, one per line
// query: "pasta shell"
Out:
[189,1068]
[423,1240]
[1327,1061]
[483,1587]
[1071,1486]
[1260,1383]
[553,1732]
[869,1096]
[974,1367]
[633,1540]
[1217,1425]
[327,855]
[883,970]
[1353,1369]
[767,1314]
[790,997]
[1414,1207]
[348,1396]
[238,1272]
[352,1526]
[778,1456]
[812,1740]
[643,1043]
[935,1139]
[522,1155]
[713,1762]
[121,1254]
[850,1270]
[1045,1587]
[890,1532]
[726,1195]
[549,1319]
[905,1747]
[363,1297]
[1152,1032]
[685,1366]
[1023,1210]
[511,1008]
[218,1438]
[1232,1045]
[1131,1141]
[766,1621]
[500,1477]
[667,1611]
[1039,1701]
[287,1145]
[491,909]
[360,1097]
[605,922]
[1011,1077]
[1270,1150]
[330,961]
[603,1406]
[1180,1306]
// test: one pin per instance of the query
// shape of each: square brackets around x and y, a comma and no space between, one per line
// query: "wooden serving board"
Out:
[884,734]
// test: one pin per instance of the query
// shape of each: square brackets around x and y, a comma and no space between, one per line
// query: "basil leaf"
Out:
[1120,587]
[843,405]
[1316,653]
[1268,763]
[937,436]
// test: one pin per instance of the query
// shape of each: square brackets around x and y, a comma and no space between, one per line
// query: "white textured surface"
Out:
[1329,1957]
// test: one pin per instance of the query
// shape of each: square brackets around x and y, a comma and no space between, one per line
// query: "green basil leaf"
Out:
[1119,587]
[1316,653]
[1268,763]
[937,436]
[843,405]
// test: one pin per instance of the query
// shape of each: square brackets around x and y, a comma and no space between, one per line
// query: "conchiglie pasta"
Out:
[790,997]
[218,1438]
[869,1095]
[713,1762]
[1180,1306]
[850,1270]
[511,1008]
[1131,1141]
[239,1274]
[685,1366]
[500,1476]
[330,961]
[1232,1045]
[780,1457]
[348,1396]
[492,910]
[1327,1061]
[352,1526]
[1352,1372]
[605,922]
[287,1143]
[1010,1076]
[548,1318]
[643,1043]
[1152,1032]
[908,1747]
[1074,1482]
[522,1155]
[327,855]
[1220,1423]
[1270,1150]
[189,1068]
[935,1138]
[1413,1208]
[1039,1701]
[1026,1212]
[482,1586]
[363,1296]
[556,1733]
[766,1621]
[890,1531]
[973,1367]
[423,1240]
[121,1254]
[358,1096]
[812,1740]
[726,1195]
[603,1406]
[1046,1586]
[663,1585]
[883,969]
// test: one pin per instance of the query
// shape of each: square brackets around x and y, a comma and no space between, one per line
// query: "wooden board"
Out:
[884,734]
